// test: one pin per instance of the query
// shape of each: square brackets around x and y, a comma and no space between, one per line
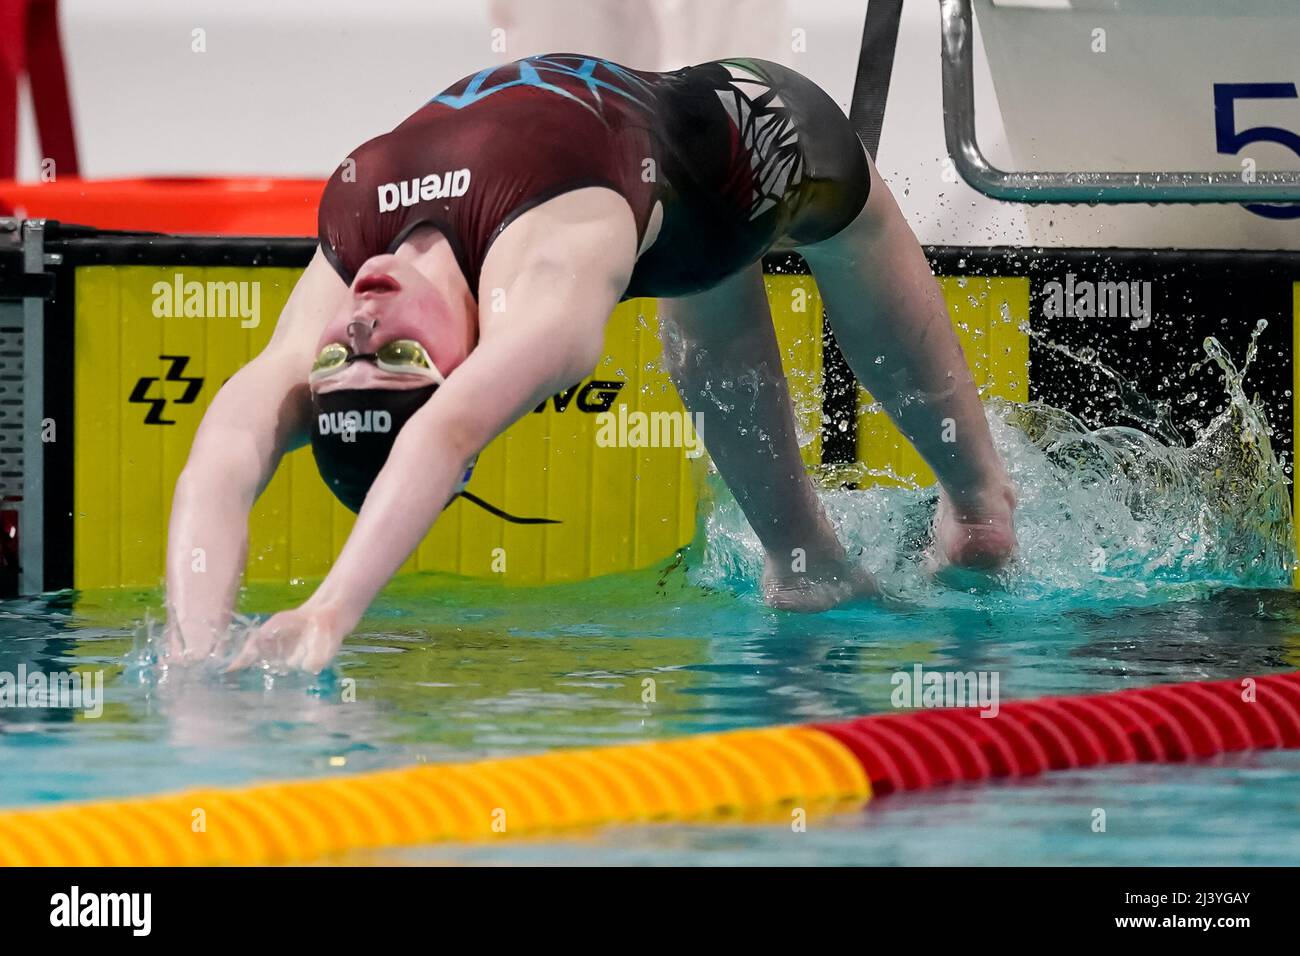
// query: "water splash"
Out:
[153,661]
[1104,513]
[1154,416]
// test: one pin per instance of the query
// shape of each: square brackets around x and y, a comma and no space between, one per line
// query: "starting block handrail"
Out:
[957,42]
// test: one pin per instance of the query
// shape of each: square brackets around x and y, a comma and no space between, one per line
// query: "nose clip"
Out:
[359,333]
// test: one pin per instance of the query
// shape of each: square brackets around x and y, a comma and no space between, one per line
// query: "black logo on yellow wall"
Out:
[158,401]
[593,397]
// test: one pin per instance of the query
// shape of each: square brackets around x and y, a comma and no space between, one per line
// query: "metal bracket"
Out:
[957,40]
[31,527]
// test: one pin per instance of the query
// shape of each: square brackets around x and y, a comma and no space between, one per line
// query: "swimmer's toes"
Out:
[808,594]
[972,559]
[981,548]
[974,541]
[972,580]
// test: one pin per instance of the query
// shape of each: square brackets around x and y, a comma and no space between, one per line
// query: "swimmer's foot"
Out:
[818,588]
[974,539]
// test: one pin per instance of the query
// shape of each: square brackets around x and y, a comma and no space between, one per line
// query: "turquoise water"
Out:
[1141,563]
[476,671]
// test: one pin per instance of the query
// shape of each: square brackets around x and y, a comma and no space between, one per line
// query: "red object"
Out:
[30,44]
[244,207]
[920,749]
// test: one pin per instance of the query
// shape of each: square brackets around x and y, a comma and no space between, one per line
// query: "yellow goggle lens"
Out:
[398,355]
[331,357]
[404,352]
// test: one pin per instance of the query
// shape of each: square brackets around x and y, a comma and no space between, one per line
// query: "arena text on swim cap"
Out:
[191,299]
[349,424]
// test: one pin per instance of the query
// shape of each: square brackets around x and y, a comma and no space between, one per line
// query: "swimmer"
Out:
[468,262]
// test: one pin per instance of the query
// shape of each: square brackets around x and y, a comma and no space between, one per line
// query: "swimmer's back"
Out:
[737,154]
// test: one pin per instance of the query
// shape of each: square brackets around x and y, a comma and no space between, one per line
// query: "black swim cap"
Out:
[352,432]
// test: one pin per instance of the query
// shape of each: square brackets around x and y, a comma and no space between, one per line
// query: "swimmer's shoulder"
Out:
[316,297]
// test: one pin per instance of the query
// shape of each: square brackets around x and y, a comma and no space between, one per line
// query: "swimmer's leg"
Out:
[892,325]
[721,350]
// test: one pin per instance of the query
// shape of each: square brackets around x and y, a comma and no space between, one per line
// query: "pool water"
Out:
[446,670]
[1140,563]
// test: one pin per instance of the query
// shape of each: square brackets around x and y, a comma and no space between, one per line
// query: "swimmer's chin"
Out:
[810,592]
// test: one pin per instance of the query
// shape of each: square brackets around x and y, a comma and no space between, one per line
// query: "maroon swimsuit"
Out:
[739,153]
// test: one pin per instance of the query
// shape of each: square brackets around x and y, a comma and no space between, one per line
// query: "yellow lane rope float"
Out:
[736,775]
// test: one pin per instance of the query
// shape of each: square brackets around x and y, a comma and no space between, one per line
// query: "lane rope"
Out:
[740,775]
[744,775]
[915,750]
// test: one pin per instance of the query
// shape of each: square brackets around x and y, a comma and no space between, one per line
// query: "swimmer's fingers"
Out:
[301,654]
[297,639]
[312,656]
[316,644]
[247,654]
[264,643]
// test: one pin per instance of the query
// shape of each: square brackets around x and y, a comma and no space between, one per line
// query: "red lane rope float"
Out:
[1173,722]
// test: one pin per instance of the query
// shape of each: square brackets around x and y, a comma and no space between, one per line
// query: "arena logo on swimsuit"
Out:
[411,191]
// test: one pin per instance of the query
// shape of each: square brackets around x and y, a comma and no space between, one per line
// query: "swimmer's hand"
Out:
[189,645]
[816,586]
[305,638]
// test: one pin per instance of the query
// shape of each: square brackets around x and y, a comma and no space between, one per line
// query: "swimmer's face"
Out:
[389,299]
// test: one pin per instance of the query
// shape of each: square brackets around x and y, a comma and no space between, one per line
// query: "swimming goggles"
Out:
[401,356]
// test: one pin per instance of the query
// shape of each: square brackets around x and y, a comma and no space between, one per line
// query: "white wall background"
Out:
[289,87]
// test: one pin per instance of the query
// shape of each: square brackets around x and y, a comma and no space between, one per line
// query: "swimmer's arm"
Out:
[501,381]
[249,425]
[556,341]
[261,413]
[561,269]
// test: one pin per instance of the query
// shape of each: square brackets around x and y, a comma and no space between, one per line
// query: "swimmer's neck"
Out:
[428,251]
